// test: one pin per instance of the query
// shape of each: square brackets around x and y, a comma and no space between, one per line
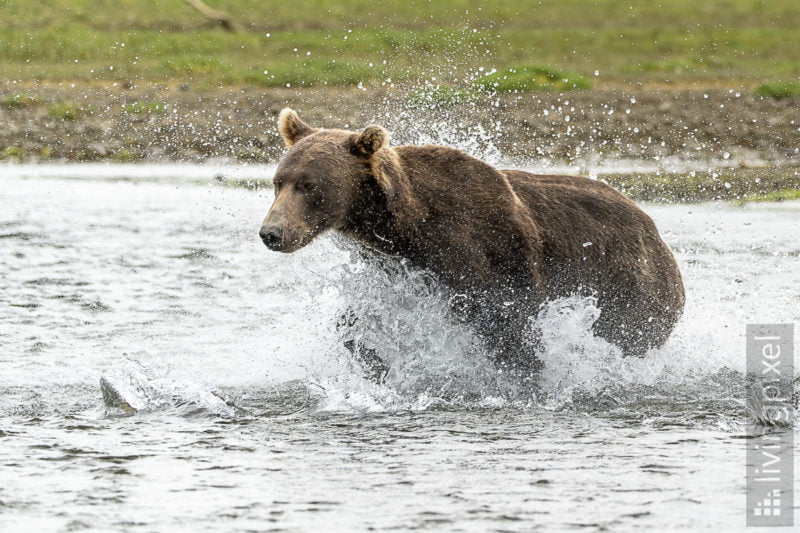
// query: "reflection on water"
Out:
[244,412]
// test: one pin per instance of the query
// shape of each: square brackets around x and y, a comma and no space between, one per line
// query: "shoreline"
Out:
[738,185]
[682,145]
[237,124]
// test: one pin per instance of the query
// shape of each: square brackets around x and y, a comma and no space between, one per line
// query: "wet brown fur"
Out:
[505,239]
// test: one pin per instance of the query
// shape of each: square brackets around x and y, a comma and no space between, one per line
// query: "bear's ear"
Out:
[370,140]
[292,128]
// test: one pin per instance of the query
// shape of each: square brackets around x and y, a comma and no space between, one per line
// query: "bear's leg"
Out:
[633,324]
[510,343]
[375,369]
[503,329]
[514,354]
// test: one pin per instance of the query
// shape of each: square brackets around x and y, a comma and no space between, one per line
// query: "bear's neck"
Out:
[370,223]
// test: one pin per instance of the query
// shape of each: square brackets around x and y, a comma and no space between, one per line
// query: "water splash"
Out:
[404,315]
[435,361]
[146,384]
[433,114]
[416,126]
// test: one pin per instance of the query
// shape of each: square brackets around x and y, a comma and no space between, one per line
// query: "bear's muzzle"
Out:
[272,237]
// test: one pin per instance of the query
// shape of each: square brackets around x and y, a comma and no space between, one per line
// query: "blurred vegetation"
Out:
[738,185]
[318,42]
[772,196]
[779,89]
[16,100]
[65,111]
[524,78]
[13,153]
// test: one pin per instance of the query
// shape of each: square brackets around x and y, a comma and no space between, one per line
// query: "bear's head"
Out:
[322,176]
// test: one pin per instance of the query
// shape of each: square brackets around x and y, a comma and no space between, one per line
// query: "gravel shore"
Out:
[179,123]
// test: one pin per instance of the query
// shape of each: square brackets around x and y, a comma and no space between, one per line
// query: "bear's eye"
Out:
[305,186]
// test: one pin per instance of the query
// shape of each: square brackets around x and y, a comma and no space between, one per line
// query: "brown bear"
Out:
[504,241]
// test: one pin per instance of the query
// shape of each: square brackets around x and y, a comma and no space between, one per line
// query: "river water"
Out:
[234,407]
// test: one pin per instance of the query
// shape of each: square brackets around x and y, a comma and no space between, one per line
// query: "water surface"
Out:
[251,417]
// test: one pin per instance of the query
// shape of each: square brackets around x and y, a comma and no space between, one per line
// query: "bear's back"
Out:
[573,205]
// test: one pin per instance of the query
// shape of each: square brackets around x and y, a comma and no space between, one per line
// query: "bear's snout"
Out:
[272,237]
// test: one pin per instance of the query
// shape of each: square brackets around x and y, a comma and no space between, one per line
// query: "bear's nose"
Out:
[272,236]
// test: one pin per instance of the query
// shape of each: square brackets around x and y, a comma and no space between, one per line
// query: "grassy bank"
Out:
[344,43]
[736,185]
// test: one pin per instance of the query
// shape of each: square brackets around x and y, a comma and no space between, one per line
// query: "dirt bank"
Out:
[180,123]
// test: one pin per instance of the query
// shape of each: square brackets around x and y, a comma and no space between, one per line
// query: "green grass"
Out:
[14,153]
[17,100]
[438,97]
[738,185]
[65,111]
[525,78]
[773,196]
[322,42]
[172,15]
[124,156]
[779,89]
